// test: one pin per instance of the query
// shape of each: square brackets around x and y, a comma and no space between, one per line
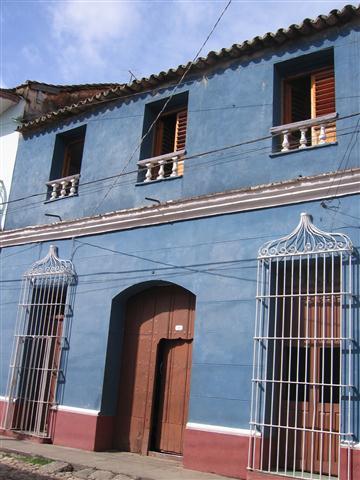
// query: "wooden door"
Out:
[311,408]
[155,316]
[173,379]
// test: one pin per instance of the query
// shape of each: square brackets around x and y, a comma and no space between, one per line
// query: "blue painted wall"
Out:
[215,258]
[228,105]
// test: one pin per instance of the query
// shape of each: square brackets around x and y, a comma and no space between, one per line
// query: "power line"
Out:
[167,102]
[160,87]
[188,158]
[214,162]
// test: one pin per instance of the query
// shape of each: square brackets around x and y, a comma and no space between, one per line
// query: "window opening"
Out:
[304,111]
[303,361]
[308,97]
[170,136]
[42,325]
[73,156]
[163,151]
[66,164]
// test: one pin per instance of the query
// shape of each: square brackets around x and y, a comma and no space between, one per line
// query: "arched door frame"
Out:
[116,332]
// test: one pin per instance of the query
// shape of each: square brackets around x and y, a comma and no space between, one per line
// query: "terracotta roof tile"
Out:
[306,28]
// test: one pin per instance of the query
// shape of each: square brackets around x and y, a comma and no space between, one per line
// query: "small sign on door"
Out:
[179,328]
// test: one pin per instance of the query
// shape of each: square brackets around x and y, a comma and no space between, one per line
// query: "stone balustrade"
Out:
[164,166]
[64,187]
[307,133]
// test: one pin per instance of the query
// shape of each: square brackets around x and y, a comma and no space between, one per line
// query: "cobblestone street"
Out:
[14,467]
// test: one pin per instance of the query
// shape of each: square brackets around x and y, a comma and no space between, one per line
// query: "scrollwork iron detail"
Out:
[306,239]
[51,265]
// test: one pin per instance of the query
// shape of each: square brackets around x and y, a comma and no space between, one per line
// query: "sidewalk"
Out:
[128,464]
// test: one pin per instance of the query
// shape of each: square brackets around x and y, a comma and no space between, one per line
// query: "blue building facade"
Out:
[173,189]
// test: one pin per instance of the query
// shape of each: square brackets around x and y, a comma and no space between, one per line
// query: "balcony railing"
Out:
[64,187]
[307,133]
[164,166]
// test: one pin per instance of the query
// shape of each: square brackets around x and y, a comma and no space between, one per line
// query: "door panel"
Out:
[312,409]
[174,375]
[151,316]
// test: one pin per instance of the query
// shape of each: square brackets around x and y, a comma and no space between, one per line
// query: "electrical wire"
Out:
[191,168]
[166,103]
[186,159]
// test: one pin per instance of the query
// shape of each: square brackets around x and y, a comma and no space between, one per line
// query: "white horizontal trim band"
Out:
[218,429]
[82,411]
[65,408]
[329,185]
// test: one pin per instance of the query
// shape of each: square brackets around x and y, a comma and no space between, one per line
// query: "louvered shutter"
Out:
[323,100]
[180,132]
[180,136]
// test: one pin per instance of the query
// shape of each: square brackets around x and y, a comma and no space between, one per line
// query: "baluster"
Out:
[322,135]
[73,186]
[161,170]
[174,167]
[285,144]
[54,191]
[303,140]
[63,188]
[148,173]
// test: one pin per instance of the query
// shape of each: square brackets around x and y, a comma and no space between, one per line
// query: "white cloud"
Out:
[96,40]
[83,31]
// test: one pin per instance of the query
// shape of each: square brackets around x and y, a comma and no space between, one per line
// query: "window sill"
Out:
[298,150]
[141,184]
[61,198]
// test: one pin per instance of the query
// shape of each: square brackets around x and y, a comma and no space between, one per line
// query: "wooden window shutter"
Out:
[323,99]
[323,92]
[180,136]
[180,132]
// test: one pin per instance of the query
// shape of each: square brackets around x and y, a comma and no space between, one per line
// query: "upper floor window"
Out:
[66,163]
[307,98]
[170,132]
[163,151]
[73,155]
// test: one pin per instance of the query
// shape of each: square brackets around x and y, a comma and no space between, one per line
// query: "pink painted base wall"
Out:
[227,455]
[2,410]
[77,430]
[223,454]
[216,453]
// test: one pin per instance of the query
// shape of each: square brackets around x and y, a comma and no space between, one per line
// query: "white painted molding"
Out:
[318,187]
[66,408]
[218,429]
[82,411]
[353,446]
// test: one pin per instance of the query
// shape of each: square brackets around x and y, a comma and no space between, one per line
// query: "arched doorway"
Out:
[155,370]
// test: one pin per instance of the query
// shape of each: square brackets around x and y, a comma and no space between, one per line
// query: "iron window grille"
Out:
[303,364]
[42,325]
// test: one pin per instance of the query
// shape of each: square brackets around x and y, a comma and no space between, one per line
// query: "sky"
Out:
[82,41]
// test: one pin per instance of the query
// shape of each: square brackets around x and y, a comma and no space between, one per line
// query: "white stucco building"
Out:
[11,108]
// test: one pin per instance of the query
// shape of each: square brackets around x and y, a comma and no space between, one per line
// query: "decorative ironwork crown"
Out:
[52,265]
[306,238]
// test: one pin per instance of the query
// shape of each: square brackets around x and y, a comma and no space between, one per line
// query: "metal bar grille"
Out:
[302,382]
[43,313]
